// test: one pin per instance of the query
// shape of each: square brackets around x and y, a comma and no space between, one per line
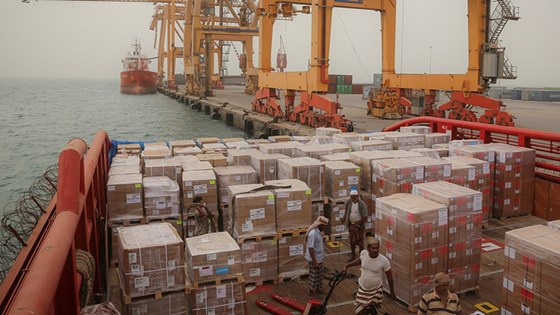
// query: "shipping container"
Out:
[344,89]
[515,94]
[348,79]
[340,79]
[357,88]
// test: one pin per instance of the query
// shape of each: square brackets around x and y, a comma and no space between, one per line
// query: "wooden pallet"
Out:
[505,218]
[216,281]
[296,232]
[127,222]
[158,295]
[293,278]
[150,220]
[263,282]
[256,238]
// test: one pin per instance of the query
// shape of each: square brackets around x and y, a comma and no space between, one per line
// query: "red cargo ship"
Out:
[136,78]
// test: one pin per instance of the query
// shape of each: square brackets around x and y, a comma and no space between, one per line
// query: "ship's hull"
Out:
[138,82]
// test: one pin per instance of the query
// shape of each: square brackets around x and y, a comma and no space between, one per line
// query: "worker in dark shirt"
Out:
[440,301]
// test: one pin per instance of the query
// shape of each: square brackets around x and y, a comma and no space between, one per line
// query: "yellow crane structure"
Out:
[486,64]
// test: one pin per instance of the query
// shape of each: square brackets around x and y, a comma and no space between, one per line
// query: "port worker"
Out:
[204,218]
[355,218]
[370,283]
[440,301]
[315,254]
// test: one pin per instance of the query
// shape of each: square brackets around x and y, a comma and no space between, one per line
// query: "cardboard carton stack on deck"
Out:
[214,148]
[253,210]
[308,170]
[341,177]
[345,138]
[125,198]
[531,271]
[372,145]
[465,230]
[514,180]
[169,303]
[291,256]
[229,176]
[413,234]
[123,165]
[293,204]
[180,144]
[423,130]
[152,152]
[226,298]
[197,166]
[199,183]
[163,167]
[393,176]
[216,159]
[326,131]
[335,212]
[240,156]
[151,260]
[266,165]
[434,169]
[132,149]
[436,138]
[288,148]
[259,257]
[405,140]
[317,151]
[187,151]
[345,156]
[162,198]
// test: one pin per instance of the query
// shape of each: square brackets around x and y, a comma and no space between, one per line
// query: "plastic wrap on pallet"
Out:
[212,255]
[124,170]
[233,175]
[196,166]
[202,141]
[181,159]
[369,199]
[335,212]
[288,148]
[317,209]
[532,270]
[372,145]
[310,171]
[240,156]
[436,138]
[343,156]
[453,144]
[459,200]
[302,139]
[434,169]
[291,256]
[416,129]
[431,153]
[293,204]
[554,224]
[280,138]
[132,149]
[326,131]
[125,160]
[240,145]
[187,151]
[161,197]
[170,303]
[226,298]
[216,159]
[124,198]
[158,145]
[463,174]
[252,210]
[405,140]
[151,259]
[180,144]
[345,138]
[341,177]
[464,278]
[163,167]
[266,165]
[320,140]
[474,151]
[214,148]
[200,183]
[464,253]
[155,154]
[399,170]
[317,151]
[260,259]
[257,141]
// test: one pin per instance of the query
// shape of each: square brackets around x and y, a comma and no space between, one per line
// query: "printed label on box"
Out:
[136,269]
[296,250]
[486,168]
[210,311]
[353,180]
[231,260]
[222,270]
[212,256]
[247,226]
[271,170]
[171,264]
[259,257]
[220,291]
[308,192]
[161,204]
[255,214]
[205,271]
[189,194]
[341,183]
[342,193]
[200,297]
[133,198]
[508,284]
[446,170]
[420,173]
[188,184]
[283,195]
[131,258]
[254,272]
[111,188]
[200,189]
[336,172]
[141,282]
[294,205]
[171,281]
[237,178]
[491,156]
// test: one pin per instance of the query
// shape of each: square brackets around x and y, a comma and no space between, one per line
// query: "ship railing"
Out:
[44,277]
[546,144]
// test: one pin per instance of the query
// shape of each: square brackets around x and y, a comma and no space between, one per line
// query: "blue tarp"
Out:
[115,143]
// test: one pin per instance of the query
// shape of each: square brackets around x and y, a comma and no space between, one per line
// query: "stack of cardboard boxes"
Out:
[162,198]
[372,145]
[317,151]
[124,198]
[266,165]
[308,170]
[198,183]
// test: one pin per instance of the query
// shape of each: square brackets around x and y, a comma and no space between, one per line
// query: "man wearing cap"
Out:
[440,301]
[370,283]
[355,218]
[315,254]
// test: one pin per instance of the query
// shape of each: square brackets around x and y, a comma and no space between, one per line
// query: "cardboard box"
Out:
[344,156]
[280,138]
[200,183]
[405,140]
[416,129]
[202,141]
[463,174]
[158,145]
[431,153]
[125,160]
[240,156]
[266,165]
[326,131]
[316,151]
[234,139]
[302,139]
[288,148]
[293,204]
[320,140]
[291,257]
[169,303]
[124,198]
[152,153]
[465,227]
[214,148]
[162,197]
[227,298]
[345,138]
[197,166]
[129,149]
[459,200]
[308,170]
[142,271]
[187,151]
[399,170]
[336,228]
[341,177]
[372,145]
[233,175]
[181,159]
[240,145]
[179,144]
[434,169]
[253,211]
[260,259]
[216,159]
[163,167]
[465,278]
[213,255]
[436,138]
[124,170]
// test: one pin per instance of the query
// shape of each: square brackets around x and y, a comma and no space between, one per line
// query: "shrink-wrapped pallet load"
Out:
[288,148]
[161,197]
[293,204]
[308,170]
[341,177]
[240,156]
[436,138]
[163,167]
[259,257]
[124,198]
[372,145]
[316,151]
[203,184]
[266,165]
[252,210]
[216,159]
[225,298]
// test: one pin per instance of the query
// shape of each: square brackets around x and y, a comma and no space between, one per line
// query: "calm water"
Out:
[38,117]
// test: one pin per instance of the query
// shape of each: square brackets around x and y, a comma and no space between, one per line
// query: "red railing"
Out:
[43,279]
[546,144]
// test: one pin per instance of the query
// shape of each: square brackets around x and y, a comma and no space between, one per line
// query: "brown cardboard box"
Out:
[280,138]
[200,183]
[288,148]
[169,303]
[465,278]
[474,151]
[423,130]
[405,140]
[266,165]
[125,160]
[253,211]
[341,177]
[320,140]
[179,144]
[234,139]
[462,174]
[163,167]
[240,156]
[214,148]
[187,151]
[202,141]
[291,257]
[310,171]
[326,131]
[162,197]
[197,166]
[124,170]
[142,271]
[344,156]
[399,170]
[124,198]
[293,204]
[129,149]
[152,153]
[464,253]
[181,159]
[431,153]
[436,138]
[372,145]
[212,255]
[336,228]
[157,145]
[460,200]
[316,151]
[465,226]
[225,299]
[233,175]
[240,145]
[216,159]
[345,138]
[260,259]
[434,169]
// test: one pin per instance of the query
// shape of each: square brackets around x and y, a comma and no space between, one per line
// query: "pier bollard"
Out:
[206,109]
[229,119]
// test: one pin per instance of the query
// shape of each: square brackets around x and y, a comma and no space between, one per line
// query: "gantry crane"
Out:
[486,64]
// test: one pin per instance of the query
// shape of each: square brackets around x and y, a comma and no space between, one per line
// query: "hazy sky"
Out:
[54,39]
